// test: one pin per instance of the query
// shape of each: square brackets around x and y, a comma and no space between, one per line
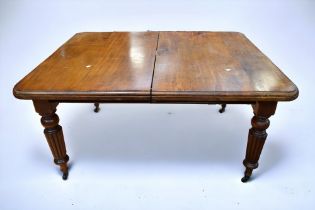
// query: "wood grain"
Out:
[215,66]
[53,133]
[257,135]
[157,67]
[98,66]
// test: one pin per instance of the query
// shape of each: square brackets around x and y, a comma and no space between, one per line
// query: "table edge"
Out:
[186,96]
[158,96]
[112,96]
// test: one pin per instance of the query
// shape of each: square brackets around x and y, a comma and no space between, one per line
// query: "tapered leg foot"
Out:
[65,171]
[223,106]
[65,175]
[54,134]
[257,135]
[97,107]
[63,166]
[247,174]
[245,179]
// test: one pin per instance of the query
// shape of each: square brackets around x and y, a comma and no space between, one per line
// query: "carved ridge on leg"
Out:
[257,136]
[54,134]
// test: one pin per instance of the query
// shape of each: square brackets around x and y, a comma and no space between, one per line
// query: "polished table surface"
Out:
[157,67]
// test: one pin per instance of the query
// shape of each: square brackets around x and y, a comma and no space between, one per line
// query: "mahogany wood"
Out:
[215,66]
[161,67]
[257,135]
[110,66]
[157,67]
[53,133]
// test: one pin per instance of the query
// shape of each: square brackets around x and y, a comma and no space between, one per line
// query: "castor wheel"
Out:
[97,107]
[65,175]
[245,179]
[222,108]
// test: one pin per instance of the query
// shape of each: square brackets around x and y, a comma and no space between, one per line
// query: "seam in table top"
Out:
[156,48]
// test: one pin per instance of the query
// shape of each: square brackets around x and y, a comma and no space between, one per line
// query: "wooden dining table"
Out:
[188,67]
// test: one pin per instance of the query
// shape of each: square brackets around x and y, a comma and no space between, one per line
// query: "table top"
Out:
[158,67]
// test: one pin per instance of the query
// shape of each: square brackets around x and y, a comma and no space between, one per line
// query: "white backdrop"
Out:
[156,156]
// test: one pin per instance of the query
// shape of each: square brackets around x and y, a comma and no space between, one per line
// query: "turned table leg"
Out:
[97,107]
[257,135]
[53,133]
[223,106]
